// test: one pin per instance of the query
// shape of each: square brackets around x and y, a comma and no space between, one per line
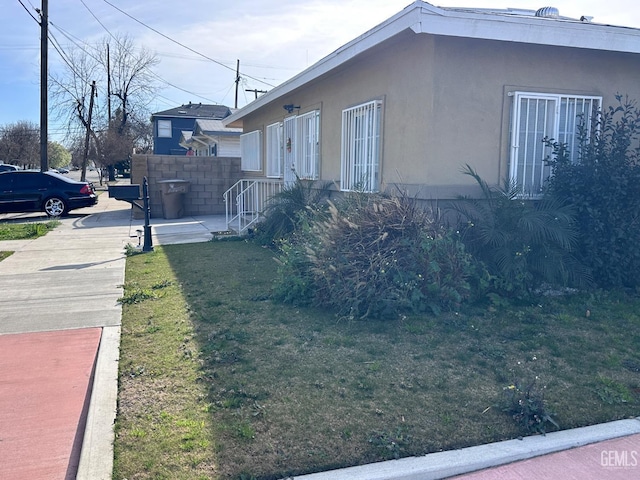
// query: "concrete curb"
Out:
[96,459]
[466,460]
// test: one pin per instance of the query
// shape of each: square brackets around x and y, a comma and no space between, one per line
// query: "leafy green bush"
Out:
[603,187]
[524,243]
[376,256]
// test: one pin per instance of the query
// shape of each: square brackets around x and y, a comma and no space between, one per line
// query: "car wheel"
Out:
[54,207]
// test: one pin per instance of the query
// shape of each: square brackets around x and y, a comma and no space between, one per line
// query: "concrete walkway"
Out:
[59,349]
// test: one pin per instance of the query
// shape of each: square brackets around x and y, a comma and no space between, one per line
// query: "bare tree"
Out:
[125,81]
[20,144]
[131,76]
[70,90]
[132,87]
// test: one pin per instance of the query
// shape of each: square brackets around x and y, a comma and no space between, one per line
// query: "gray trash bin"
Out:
[173,197]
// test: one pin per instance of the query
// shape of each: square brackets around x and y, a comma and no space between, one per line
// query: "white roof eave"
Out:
[541,31]
[199,140]
[422,17]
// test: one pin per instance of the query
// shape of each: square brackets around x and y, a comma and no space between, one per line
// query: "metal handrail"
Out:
[251,197]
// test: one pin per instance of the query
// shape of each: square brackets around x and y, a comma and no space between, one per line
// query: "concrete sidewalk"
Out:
[59,350]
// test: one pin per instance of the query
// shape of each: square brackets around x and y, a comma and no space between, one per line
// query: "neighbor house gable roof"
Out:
[214,127]
[196,110]
[205,129]
[510,25]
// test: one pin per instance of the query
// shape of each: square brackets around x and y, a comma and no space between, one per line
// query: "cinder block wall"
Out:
[209,178]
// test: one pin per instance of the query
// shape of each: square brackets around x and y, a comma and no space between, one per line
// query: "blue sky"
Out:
[274,40]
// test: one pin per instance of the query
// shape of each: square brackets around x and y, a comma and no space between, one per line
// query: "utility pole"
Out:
[108,85]
[237,81]
[44,48]
[255,90]
[83,175]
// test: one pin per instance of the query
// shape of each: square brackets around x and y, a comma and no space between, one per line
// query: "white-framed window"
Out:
[360,153]
[301,138]
[250,151]
[307,144]
[540,115]
[164,129]
[275,150]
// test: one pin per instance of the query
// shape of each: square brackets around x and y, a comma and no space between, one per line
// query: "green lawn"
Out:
[217,381]
[22,231]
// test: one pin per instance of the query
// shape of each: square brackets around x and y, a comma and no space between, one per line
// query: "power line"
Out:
[81,47]
[58,48]
[71,38]
[181,44]
[121,46]
[28,12]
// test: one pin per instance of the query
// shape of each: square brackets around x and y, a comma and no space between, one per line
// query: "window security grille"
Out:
[250,149]
[537,116]
[275,150]
[360,155]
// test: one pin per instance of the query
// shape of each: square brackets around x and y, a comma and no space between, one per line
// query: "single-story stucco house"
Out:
[411,101]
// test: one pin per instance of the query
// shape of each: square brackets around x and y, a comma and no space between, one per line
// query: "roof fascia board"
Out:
[199,140]
[541,31]
[161,117]
[207,138]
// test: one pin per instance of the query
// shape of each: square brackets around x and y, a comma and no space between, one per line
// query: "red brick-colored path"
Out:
[44,382]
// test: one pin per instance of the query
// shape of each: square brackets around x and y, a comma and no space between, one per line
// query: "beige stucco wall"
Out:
[446,103]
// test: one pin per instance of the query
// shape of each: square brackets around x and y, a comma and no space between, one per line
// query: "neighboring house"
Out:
[212,138]
[411,101]
[169,125]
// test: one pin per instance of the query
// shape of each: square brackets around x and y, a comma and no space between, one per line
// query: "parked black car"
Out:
[49,192]
[6,167]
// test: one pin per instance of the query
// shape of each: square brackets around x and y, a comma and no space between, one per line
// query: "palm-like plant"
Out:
[523,242]
[290,207]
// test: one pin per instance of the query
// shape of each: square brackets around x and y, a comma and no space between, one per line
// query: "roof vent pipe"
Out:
[548,12]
